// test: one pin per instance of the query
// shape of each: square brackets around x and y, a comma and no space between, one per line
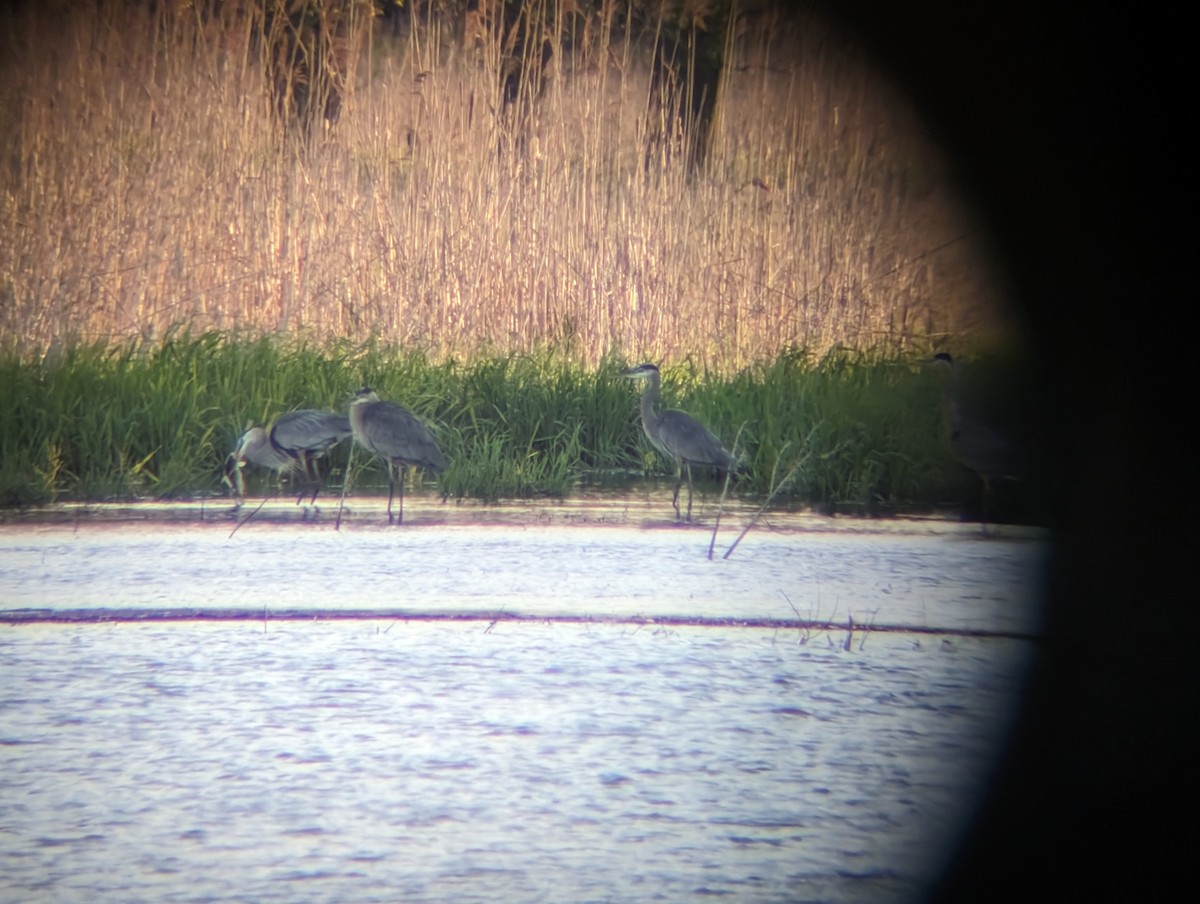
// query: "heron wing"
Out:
[309,430]
[986,450]
[396,433]
[976,439]
[683,437]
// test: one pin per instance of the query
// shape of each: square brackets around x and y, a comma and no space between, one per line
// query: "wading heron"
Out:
[293,444]
[395,434]
[678,436]
[978,445]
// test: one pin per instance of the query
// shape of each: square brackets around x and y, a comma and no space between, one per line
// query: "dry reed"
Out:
[149,182]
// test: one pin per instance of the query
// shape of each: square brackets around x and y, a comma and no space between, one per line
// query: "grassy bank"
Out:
[856,431]
[483,233]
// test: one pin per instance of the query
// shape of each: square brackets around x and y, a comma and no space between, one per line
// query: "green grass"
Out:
[861,431]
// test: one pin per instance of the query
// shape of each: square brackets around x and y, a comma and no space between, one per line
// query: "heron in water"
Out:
[395,434]
[678,436]
[293,444]
[978,445]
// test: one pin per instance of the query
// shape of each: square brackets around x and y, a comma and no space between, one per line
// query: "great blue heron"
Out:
[978,445]
[678,436]
[395,434]
[293,443]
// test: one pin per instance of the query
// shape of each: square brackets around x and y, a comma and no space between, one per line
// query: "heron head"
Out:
[639,371]
[943,358]
[366,394]
[252,440]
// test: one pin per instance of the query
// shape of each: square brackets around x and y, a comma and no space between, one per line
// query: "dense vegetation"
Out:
[216,212]
[860,431]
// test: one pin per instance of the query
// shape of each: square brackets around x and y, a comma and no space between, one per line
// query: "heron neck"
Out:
[950,407]
[357,408]
[263,451]
[649,417]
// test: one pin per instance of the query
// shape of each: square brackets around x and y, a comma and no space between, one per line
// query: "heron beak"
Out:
[232,475]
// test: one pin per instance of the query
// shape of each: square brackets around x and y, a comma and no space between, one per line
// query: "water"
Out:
[398,758]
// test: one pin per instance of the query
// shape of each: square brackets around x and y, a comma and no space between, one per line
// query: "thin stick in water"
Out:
[266,499]
[775,492]
[724,492]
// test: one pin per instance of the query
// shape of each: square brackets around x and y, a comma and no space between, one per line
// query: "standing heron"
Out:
[678,436]
[978,445]
[395,434]
[293,443]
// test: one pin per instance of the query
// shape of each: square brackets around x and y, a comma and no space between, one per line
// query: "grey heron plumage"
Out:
[293,443]
[397,436]
[677,435]
[978,444]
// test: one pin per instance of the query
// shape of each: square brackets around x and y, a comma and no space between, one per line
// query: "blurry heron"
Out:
[292,444]
[678,436]
[395,434]
[978,445]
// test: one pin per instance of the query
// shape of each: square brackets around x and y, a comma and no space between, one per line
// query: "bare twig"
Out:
[871,624]
[266,499]
[725,492]
[775,492]
[494,621]
[777,488]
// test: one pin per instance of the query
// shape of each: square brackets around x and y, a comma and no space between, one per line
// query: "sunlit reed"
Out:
[150,183]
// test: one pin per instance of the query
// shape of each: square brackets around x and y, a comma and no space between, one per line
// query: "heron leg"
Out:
[688,466]
[675,495]
[302,486]
[317,483]
[295,483]
[300,475]
[396,489]
[985,503]
[403,473]
[305,486]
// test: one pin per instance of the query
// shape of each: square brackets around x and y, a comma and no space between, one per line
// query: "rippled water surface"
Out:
[397,758]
